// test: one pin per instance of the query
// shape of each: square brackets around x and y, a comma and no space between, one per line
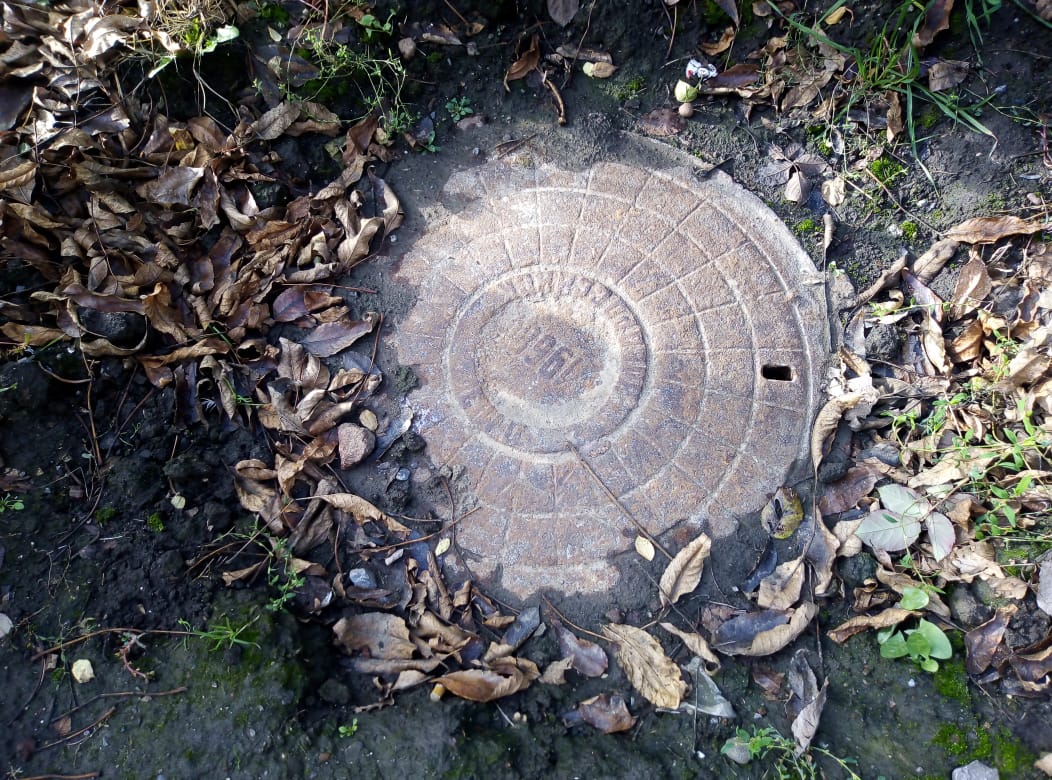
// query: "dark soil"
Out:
[99,543]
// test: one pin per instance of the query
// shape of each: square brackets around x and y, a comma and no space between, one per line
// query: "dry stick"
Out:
[639,526]
[569,622]
[101,631]
[32,696]
[408,542]
[121,695]
[580,43]
[894,200]
[105,716]
[467,24]
[560,104]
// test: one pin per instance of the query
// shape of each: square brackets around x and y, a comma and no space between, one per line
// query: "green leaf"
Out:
[904,501]
[930,665]
[887,530]
[894,647]
[936,639]
[914,598]
[918,645]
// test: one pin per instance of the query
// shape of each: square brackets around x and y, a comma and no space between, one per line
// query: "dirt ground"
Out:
[286,704]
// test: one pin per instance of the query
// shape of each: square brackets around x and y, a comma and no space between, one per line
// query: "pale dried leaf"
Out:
[781,588]
[377,633]
[696,643]
[650,671]
[562,11]
[588,658]
[988,230]
[856,625]
[684,572]
[645,548]
[607,712]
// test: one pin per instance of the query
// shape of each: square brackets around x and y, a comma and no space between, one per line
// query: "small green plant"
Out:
[104,514]
[923,644]
[428,144]
[282,576]
[348,731]
[11,503]
[155,522]
[789,763]
[630,89]
[805,226]
[909,230]
[273,13]
[459,108]
[373,29]
[221,633]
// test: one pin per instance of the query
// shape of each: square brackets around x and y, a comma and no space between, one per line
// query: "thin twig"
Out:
[609,493]
[72,735]
[570,623]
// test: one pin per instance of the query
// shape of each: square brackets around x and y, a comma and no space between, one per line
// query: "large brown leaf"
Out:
[377,633]
[507,676]
[333,337]
[684,572]
[650,671]
[763,633]
[988,230]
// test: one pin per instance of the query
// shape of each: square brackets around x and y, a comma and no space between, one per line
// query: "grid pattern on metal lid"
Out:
[616,333]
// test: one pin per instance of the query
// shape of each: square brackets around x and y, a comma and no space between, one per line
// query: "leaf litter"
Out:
[206,319]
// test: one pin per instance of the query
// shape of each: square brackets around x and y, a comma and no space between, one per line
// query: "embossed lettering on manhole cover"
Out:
[598,344]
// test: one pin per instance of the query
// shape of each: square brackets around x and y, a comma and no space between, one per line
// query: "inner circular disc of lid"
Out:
[607,347]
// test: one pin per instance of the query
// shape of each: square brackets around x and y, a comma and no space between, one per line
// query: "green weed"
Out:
[10,503]
[458,108]
[769,744]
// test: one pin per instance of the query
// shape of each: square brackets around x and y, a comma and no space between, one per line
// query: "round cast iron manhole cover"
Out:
[598,344]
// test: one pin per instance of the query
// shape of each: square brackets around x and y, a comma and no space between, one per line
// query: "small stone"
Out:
[355,444]
[407,48]
[976,770]
[686,110]
[368,419]
[334,692]
[82,671]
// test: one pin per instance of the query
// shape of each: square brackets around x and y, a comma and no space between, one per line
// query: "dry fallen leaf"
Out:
[650,671]
[562,12]
[781,588]
[684,572]
[525,64]
[377,633]
[989,230]
[505,677]
[645,548]
[696,643]
[856,625]
[763,633]
[606,712]
[588,658]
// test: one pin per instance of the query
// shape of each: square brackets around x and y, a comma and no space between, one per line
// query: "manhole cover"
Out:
[604,345]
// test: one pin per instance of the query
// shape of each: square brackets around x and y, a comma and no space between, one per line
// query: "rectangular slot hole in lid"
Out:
[777,373]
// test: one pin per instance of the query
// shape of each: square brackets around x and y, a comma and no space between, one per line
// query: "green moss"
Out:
[953,739]
[951,681]
[626,90]
[909,230]
[886,170]
[1010,755]
[104,514]
[928,118]
[155,522]
[805,226]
